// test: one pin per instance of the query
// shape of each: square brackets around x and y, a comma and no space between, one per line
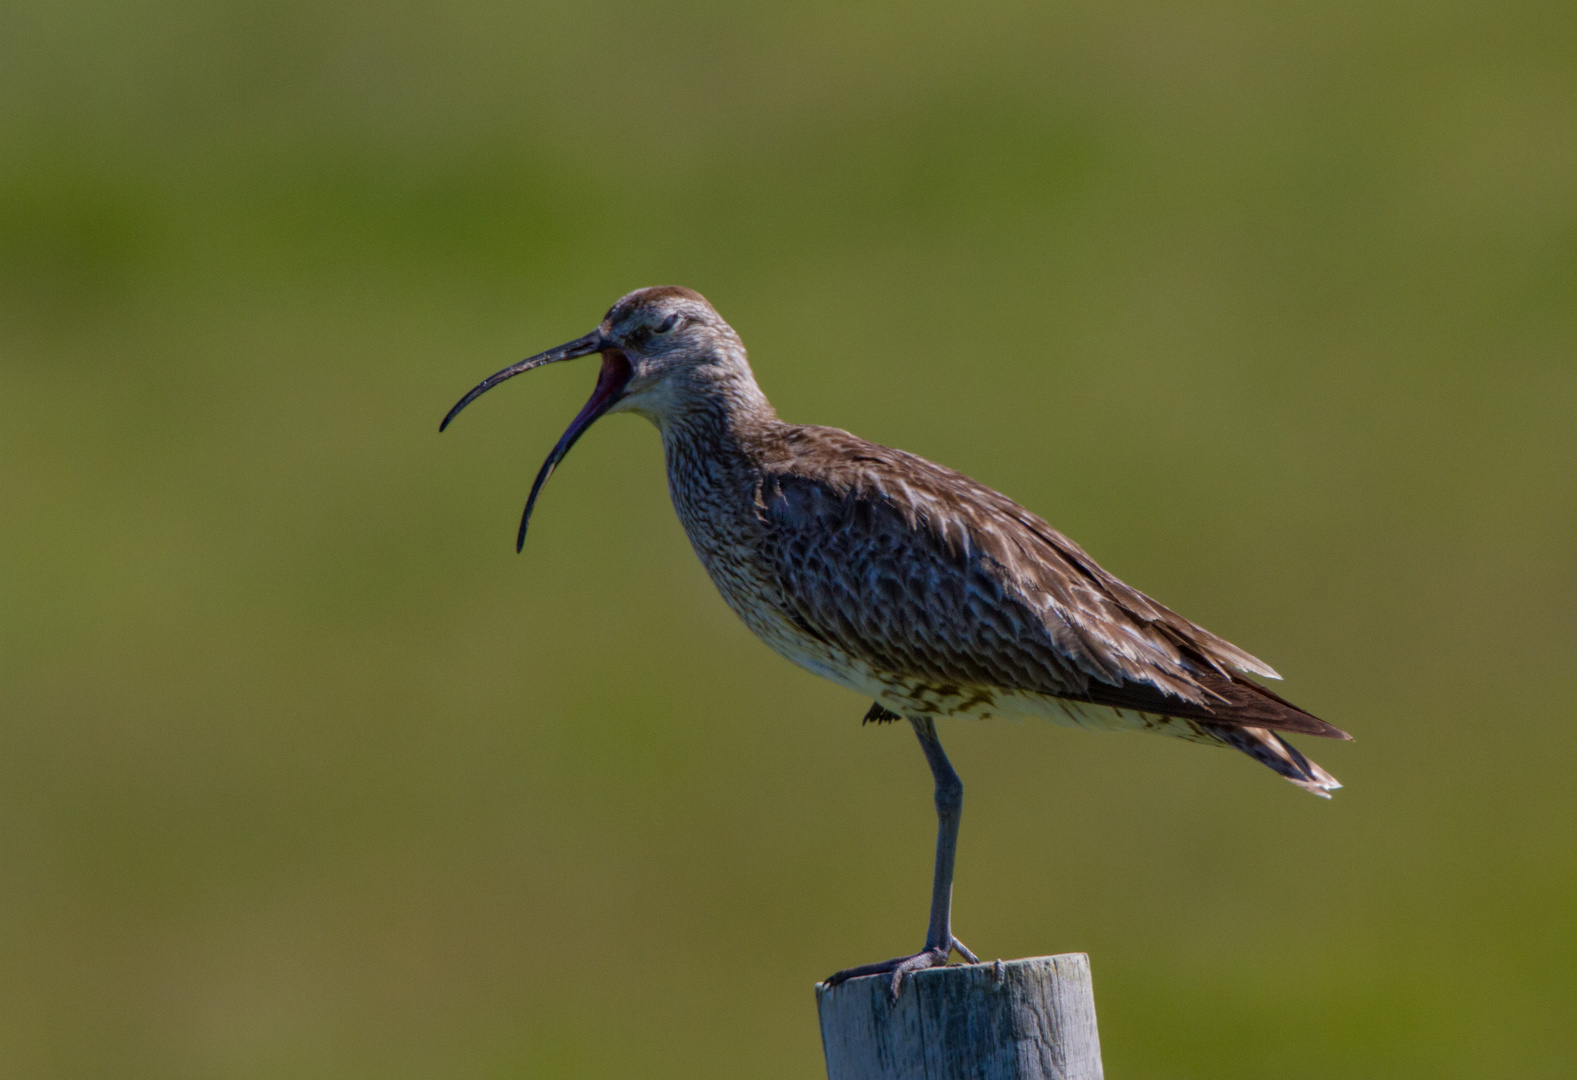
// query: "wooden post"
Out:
[1015,1020]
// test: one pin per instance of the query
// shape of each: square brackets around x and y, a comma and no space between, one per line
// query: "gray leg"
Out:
[949,809]
[939,939]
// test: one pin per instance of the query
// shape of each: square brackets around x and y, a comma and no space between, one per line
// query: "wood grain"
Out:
[1030,1019]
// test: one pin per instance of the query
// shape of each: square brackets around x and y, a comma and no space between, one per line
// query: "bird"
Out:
[905,581]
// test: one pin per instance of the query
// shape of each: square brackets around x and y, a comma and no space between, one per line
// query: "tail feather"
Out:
[1270,749]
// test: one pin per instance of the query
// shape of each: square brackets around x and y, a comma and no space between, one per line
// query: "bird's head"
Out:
[661,348]
[673,340]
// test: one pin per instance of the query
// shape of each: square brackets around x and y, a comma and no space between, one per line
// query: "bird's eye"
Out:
[669,323]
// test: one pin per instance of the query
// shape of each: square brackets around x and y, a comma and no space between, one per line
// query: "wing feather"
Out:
[922,572]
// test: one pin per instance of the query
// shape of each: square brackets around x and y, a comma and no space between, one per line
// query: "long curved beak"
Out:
[611,381]
[581,346]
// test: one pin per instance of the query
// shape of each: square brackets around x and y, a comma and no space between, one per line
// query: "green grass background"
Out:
[304,773]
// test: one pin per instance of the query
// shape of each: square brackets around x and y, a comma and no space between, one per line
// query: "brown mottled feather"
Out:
[922,572]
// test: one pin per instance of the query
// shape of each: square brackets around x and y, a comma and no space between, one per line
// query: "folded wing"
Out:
[922,572]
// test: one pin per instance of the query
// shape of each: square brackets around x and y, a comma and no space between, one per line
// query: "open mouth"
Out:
[611,383]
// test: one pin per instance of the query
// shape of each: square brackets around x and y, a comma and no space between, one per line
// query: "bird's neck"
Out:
[720,410]
[717,442]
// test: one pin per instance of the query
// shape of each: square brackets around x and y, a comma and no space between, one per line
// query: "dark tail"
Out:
[1270,749]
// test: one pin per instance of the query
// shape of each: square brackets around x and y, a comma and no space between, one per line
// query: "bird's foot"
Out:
[903,965]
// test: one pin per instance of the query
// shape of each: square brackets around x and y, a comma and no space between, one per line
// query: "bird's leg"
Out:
[949,808]
[939,939]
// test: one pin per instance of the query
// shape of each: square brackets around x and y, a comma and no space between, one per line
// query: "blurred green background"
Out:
[304,773]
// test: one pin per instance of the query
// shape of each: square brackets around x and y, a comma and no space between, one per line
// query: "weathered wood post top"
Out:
[1028,1019]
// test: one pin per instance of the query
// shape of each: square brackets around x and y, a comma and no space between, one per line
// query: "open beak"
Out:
[611,381]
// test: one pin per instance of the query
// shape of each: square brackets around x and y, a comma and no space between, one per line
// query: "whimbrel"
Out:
[906,581]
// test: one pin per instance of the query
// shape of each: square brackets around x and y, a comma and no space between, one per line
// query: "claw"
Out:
[900,966]
[918,962]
